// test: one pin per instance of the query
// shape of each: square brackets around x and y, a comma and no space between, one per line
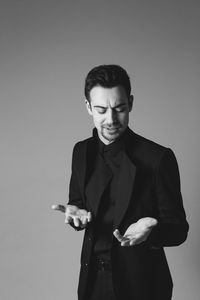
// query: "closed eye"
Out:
[101,110]
[120,109]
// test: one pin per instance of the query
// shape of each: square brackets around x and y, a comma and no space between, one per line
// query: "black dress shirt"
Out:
[111,155]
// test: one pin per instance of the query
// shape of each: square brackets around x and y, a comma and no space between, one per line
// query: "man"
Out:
[125,192]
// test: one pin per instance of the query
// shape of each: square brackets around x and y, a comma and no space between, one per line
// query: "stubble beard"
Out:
[111,136]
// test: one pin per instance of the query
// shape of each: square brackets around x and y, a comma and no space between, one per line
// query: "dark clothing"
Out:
[102,288]
[111,157]
[148,186]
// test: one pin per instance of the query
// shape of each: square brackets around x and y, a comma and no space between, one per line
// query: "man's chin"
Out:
[111,136]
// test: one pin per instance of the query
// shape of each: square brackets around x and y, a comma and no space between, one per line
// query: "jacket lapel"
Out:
[97,185]
[126,181]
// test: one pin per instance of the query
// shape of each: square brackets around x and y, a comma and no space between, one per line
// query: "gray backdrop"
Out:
[46,49]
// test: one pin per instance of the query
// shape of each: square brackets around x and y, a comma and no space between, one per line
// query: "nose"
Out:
[111,117]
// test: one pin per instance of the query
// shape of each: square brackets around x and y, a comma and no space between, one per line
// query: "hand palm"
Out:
[80,217]
[137,232]
[75,212]
[141,227]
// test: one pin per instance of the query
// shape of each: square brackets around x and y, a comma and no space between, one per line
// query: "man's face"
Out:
[110,109]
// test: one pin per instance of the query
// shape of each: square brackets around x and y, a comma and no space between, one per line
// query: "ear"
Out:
[88,106]
[130,102]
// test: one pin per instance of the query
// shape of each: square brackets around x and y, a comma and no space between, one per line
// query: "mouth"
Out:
[112,129]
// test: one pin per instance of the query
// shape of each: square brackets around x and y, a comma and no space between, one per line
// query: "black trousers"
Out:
[101,286]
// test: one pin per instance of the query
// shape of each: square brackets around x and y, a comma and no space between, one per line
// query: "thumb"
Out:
[59,207]
[118,235]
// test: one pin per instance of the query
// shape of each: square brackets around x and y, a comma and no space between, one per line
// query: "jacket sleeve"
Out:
[172,225]
[75,197]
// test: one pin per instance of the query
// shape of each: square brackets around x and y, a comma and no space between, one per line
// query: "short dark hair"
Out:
[107,76]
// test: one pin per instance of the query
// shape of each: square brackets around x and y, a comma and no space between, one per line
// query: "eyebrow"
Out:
[117,106]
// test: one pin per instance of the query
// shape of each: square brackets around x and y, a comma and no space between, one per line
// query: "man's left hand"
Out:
[137,232]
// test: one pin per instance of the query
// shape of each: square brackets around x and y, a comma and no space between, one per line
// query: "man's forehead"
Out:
[108,96]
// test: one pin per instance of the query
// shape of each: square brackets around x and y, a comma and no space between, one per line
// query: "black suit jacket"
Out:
[149,187]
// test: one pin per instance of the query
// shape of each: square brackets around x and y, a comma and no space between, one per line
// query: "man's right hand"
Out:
[79,217]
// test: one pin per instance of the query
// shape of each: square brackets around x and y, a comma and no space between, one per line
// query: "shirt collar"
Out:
[110,149]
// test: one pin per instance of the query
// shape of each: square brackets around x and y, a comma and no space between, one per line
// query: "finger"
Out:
[133,236]
[89,216]
[76,221]
[84,221]
[83,225]
[134,242]
[118,235]
[58,207]
[68,219]
[125,243]
[138,241]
